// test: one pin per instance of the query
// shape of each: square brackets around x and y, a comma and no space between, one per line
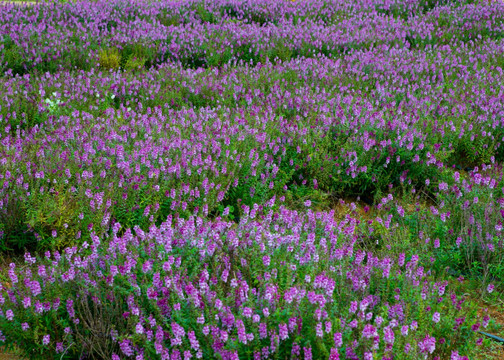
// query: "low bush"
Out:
[280,284]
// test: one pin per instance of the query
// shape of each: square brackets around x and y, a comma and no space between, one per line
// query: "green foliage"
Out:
[134,63]
[15,235]
[109,59]
[12,56]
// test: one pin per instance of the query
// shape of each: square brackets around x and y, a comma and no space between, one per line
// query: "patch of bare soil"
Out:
[8,356]
[496,350]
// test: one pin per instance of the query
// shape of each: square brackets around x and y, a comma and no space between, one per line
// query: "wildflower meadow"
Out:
[252,179]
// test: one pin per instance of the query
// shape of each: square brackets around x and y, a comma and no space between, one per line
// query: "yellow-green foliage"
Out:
[109,58]
[134,63]
[58,212]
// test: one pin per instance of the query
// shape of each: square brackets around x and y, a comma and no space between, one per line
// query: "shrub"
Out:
[109,58]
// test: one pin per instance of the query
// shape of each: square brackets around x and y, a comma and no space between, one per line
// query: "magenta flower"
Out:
[334,354]
[338,340]
[125,346]
[12,273]
[266,260]
[369,331]
[427,345]
[328,327]
[263,330]
[353,307]
[388,335]
[307,353]
[283,331]
[404,330]
[46,339]
[436,317]
[486,320]
[26,302]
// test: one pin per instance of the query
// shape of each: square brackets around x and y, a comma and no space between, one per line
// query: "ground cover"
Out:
[252,179]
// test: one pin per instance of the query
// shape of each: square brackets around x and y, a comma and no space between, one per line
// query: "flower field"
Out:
[252,179]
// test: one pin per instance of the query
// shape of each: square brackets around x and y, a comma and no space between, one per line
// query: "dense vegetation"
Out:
[261,179]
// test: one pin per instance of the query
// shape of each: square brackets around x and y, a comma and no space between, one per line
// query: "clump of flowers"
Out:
[277,283]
